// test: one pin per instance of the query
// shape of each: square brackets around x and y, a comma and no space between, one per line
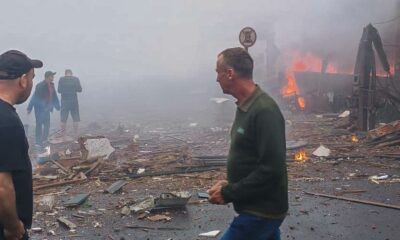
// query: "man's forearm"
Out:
[8,212]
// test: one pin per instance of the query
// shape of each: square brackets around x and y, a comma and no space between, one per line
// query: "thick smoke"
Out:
[135,57]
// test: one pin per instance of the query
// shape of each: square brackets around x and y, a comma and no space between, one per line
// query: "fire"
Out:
[300,156]
[300,62]
[354,138]
[291,87]
[302,102]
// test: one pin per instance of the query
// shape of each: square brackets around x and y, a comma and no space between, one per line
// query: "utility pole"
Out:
[397,47]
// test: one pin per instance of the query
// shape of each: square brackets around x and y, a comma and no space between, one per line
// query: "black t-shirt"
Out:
[14,159]
[68,86]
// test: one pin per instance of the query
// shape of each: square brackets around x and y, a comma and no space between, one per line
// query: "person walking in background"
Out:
[68,87]
[44,100]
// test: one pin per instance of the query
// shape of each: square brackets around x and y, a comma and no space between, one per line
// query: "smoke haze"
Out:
[137,57]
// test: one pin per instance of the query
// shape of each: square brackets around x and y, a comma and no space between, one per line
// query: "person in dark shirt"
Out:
[16,197]
[257,176]
[44,100]
[68,87]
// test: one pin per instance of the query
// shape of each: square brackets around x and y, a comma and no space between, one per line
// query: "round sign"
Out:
[247,37]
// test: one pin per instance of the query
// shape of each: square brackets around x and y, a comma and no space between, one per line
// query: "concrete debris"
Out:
[115,187]
[97,225]
[46,204]
[192,159]
[66,223]
[125,211]
[36,230]
[77,200]
[345,114]
[173,199]
[210,234]
[144,205]
[322,151]
[379,177]
[159,217]
[203,195]
[95,147]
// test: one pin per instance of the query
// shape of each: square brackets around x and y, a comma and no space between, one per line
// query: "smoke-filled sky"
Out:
[176,38]
[123,42]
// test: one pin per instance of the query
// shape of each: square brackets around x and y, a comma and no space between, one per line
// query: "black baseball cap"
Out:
[13,64]
[49,73]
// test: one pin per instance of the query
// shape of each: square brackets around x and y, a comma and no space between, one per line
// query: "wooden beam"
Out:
[354,200]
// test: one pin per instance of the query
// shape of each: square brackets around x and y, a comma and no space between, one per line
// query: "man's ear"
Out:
[230,72]
[23,81]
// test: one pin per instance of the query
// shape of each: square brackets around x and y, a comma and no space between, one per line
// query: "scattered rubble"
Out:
[178,166]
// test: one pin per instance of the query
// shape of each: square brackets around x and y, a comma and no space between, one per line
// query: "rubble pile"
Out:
[155,179]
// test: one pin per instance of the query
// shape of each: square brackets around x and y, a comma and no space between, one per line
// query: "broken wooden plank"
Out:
[350,192]
[153,228]
[292,145]
[211,157]
[388,144]
[66,223]
[165,173]
[94,166]
[60,166]
[354,200]
[77,200]
[116,186]
[57,184]
[385,130]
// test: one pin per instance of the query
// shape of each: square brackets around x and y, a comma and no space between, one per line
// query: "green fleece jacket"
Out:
[257,173]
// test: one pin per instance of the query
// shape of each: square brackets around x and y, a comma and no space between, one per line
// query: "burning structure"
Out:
[314,84]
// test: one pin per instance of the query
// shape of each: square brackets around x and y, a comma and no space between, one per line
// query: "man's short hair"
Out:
[68,71]
[240,60]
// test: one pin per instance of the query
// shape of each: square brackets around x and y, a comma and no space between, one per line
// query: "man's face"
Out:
[223,77]
[50,78]
[25,84]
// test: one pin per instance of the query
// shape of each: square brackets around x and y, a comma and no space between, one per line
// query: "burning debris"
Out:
[300,155]
[354,138]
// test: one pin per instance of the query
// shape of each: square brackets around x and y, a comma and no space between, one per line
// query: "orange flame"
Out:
[291,87]
[354,138]
[302,102]
[300,156]
[300,62]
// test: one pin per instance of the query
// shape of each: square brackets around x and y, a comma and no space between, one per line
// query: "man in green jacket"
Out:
[257,178]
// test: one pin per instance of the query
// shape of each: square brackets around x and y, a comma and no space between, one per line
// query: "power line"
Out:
[388,21]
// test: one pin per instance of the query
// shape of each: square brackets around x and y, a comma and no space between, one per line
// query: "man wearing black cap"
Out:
[44,99]
[16,198]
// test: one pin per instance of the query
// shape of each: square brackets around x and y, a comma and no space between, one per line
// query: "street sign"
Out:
[247,37]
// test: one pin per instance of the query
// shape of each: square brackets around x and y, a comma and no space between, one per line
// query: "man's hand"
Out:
[15,234]
[215,193]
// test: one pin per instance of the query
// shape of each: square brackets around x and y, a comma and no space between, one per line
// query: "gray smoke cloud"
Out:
[118,48]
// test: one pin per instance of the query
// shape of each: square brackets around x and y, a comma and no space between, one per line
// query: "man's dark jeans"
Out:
[42,126]
[249,226]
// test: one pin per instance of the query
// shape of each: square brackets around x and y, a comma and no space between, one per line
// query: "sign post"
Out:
[247,37]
